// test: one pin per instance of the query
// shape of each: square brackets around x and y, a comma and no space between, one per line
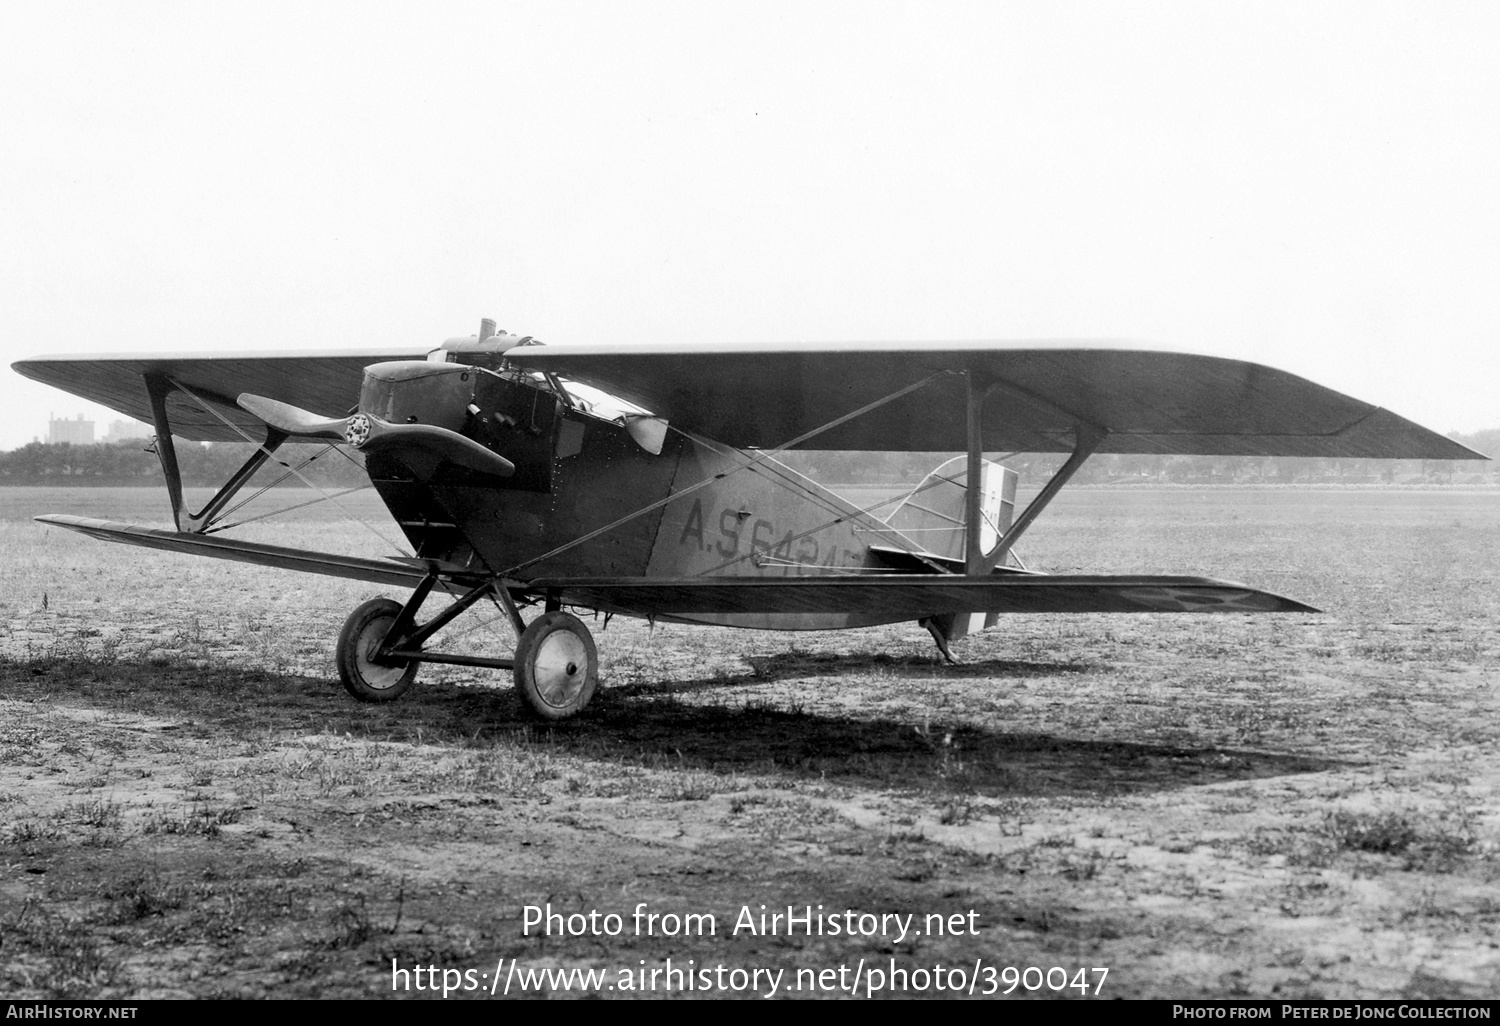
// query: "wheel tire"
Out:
[363,677]
[557,666]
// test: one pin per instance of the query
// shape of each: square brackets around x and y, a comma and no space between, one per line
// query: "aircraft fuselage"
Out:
[579,470]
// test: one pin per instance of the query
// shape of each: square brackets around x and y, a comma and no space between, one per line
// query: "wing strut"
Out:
[1087,438]
[158,387]
[974,493]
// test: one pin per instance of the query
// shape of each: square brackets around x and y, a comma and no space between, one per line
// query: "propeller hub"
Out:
[357,430]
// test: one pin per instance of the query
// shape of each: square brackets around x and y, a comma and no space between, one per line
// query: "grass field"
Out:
[1276,806]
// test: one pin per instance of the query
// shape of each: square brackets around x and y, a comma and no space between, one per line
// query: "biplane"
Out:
[643,479]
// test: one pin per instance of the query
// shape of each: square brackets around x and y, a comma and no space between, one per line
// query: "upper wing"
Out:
[763,396]
[1149,402]
[326,382]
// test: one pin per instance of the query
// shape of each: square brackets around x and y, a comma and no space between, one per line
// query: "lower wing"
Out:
[895,597]
[883,598]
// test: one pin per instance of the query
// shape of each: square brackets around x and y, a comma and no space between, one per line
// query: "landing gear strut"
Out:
[556,666]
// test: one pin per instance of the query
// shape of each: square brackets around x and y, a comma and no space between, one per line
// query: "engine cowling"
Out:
[418,392]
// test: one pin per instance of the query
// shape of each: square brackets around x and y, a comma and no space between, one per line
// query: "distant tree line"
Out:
[135,463]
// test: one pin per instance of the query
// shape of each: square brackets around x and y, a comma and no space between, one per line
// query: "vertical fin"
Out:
[933,514]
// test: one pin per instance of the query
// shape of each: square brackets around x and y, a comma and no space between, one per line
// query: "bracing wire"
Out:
[745,465]
[301,476]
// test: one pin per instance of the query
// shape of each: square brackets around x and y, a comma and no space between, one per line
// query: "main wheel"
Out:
[557,666]
[365,677]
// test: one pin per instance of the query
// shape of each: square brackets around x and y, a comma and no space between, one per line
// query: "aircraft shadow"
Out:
[637,726]
[793,665]
[902,754]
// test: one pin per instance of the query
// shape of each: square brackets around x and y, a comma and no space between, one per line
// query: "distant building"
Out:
[77,431]
[125,430]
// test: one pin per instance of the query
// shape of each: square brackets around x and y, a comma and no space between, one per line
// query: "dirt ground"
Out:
[1205,806]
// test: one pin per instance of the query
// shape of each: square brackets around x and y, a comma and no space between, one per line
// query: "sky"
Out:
[1308,185]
